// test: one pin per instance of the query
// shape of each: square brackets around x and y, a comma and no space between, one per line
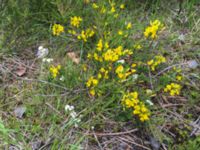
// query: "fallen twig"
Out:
[168,68]
[132,142]
[113,134]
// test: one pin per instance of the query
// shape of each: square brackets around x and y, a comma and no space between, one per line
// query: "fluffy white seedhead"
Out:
[42,52]
[69,108]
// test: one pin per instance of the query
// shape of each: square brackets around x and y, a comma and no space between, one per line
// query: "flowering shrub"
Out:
[131,100]
[111,56]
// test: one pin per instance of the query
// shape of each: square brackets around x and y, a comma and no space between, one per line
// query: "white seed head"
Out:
[42,52]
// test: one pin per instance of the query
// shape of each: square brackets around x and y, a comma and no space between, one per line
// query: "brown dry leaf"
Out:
[73,56]
[20,71]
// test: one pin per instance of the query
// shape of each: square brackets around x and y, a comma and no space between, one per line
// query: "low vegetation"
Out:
[100,74]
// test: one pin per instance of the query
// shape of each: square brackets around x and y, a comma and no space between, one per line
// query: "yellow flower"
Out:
[89,55]
[103,10]
[84,67]
[179,78]
[97,57]
[106,45]
[54,70]
[134,95]
[119,69]
[86,34]
[137,46]
[89,32]
[150,62]
[129,26]
[144,117]
[112,9]
[100,45]
[120,32]
[57,29]
[75,21]
[92,82]
[122,6]
[92,92]
[151,31]
[95,82]
[95,6]
[133,65]
[153,63]
[99,76]
[102,70]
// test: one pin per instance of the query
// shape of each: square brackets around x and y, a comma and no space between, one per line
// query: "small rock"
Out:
[36,145]
[12,147]
[154,143]
[192,64]
[19,111]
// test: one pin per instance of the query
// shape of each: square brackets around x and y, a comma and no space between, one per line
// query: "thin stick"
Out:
[53,108]
[97,141]
[144,147]
[168,68]
[113,134]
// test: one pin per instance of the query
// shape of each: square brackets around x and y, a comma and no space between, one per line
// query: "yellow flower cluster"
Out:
[131,100]
[137,46]
[92,83]
[151,31]
[153,63]
[179,77]
[85,34]
[124,73]
[112,55]
[173,89]
[109,56]
[57,29]
[112,9]
[104,53]
[75,21]
[103,73]
[54,70]
[73,32]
